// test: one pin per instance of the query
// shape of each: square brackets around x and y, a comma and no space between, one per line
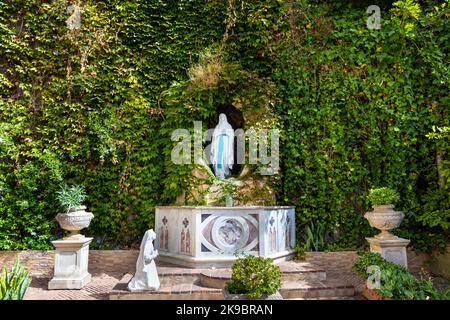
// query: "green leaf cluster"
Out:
[14,284]
[315,236]
[71,197]
[383,196]
[395,281]
[299,252]
[255,277]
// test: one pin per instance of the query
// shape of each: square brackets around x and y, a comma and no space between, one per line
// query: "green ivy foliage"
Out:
[96,106]
[83,106]
[356,107]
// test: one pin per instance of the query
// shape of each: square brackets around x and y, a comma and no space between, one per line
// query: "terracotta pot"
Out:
[372,294]
[74,221]
[384,218]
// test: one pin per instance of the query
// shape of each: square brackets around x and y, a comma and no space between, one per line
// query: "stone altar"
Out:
[214,236]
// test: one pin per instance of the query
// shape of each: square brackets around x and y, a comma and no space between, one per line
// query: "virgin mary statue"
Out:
[222,148]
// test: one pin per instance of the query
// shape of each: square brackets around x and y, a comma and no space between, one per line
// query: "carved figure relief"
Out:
[272,235]
[185,237]
[164,235]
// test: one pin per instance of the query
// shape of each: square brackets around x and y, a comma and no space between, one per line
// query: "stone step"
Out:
[290,271]
[299,290]
[327,289]
[215,278]
[182,291]
[300,270]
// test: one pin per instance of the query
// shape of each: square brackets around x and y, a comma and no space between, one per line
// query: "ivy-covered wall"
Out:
[357,107]
[96,106]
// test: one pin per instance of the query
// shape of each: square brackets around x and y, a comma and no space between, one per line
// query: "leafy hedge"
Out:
[90,107]
[395,281]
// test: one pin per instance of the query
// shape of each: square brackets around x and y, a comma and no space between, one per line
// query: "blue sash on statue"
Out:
[220,151]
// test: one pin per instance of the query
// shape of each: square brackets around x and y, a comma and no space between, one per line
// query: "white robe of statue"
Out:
[146,276]
[222,148]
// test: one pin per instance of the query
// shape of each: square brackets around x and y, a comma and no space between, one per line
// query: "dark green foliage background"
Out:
[88,107]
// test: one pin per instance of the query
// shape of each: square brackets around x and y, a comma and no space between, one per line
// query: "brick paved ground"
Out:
[103,283]
[97,289]
[108,268]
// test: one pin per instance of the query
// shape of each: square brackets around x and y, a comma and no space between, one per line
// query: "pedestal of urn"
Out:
[71,264]
[393,250]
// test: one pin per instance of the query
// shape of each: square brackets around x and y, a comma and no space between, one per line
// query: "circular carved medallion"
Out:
[230,233]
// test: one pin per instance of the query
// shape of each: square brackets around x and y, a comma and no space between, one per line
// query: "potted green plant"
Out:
[75,217]
[254,278]
[384,217]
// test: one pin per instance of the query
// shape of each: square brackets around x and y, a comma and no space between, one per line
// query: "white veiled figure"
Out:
[146,276]
[222,148]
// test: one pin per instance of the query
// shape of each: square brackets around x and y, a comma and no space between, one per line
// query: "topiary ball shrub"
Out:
[383,196]
[254,277]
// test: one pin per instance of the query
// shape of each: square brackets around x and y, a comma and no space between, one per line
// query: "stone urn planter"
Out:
[74,221]
[230,296]
[384,218]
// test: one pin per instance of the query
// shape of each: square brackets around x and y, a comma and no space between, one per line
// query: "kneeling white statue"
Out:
[146,276]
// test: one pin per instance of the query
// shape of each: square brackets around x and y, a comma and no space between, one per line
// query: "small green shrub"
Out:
[14,284]
[395,281]
[299,252]
[71,197]
[383,196]
[255,277]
